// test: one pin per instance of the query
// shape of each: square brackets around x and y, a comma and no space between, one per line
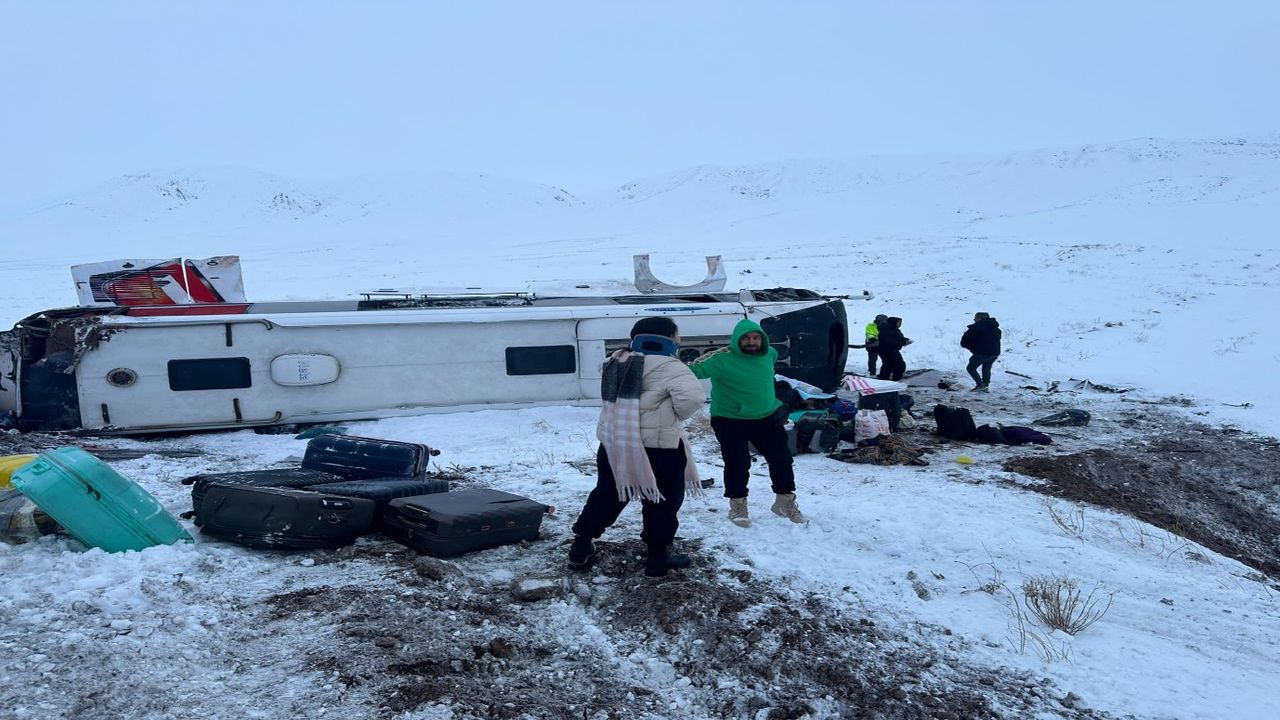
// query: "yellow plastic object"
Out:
[964,459]
[9,464]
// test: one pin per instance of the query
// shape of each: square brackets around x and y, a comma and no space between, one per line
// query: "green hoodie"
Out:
[741,385]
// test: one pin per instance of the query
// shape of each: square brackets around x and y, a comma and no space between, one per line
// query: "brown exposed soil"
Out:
[1213,486]
[740,646]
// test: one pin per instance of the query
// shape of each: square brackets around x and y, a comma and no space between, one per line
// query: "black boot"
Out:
[582,553]
[660,561]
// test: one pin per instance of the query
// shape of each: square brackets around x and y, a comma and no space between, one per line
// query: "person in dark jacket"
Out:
[982,338]
[892,366]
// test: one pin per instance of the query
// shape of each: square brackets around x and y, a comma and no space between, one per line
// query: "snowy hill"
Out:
[1085,253]
[1133,280]
[194,204]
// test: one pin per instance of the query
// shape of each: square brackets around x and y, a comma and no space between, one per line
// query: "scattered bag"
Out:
[890,402]
[452,523]
[906,421]
[284,518]
[1019,435]
[95,504]
[1065,418]
[990,435]
[845,409]
[954,423]
[870,423]
[813,433]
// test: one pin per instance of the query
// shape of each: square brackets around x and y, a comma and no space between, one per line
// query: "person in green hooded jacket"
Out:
[745,411]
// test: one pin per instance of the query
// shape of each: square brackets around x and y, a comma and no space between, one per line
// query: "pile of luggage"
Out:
[344,488]
[858,412]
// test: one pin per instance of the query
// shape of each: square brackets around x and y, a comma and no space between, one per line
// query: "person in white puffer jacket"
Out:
[647,393]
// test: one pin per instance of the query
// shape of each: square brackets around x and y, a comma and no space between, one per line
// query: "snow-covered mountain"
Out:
[1085,252]
[1134,280]
[230,203]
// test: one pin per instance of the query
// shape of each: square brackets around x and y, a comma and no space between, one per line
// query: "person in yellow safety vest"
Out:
[873,339]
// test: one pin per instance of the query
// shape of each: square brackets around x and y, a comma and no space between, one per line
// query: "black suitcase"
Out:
[453,523]
[889,402]
[810,434]
[382,492]
[284,518]
[358,458]
[291,477]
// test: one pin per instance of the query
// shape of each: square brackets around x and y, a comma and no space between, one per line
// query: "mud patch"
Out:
[1214,486]
[762,651]
[698,643]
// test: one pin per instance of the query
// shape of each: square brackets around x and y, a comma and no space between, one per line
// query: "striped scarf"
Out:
[620,387]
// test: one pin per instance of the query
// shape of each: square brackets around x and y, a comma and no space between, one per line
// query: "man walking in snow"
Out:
[644,454]
[746,411]
[982,338]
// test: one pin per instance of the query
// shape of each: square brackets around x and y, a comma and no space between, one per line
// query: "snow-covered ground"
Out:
[1146,265]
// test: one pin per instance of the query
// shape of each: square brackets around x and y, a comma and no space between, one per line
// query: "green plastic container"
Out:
[95,504]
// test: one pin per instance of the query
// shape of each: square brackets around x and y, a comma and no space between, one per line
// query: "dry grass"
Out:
[1059,603]
[1070,522]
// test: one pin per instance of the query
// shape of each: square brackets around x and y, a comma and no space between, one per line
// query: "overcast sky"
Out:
[591,94]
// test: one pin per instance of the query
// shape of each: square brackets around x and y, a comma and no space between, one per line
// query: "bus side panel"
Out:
[597,338]
[380,367]
[126,380]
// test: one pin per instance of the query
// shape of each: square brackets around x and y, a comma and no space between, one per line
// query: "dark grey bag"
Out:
[453,523]
[283,518]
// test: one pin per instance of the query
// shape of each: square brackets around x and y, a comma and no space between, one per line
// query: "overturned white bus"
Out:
[163,368]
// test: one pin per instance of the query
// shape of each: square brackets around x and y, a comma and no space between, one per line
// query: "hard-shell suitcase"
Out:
[358,458]
[284,518]
[97,505]
[291,477]
[453,523]
[889,402]
[382,492]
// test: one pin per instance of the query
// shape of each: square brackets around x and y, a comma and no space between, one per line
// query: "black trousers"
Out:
[981,361]
[892,365]
[770,439]
[660,522]
[872,356]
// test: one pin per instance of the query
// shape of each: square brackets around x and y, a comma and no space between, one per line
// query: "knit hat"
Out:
[880,318]
[664,326]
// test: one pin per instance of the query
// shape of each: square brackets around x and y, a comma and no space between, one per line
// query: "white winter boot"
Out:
[785,505]
[738,512]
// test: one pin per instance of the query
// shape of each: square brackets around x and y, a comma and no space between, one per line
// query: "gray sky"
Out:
[590,94]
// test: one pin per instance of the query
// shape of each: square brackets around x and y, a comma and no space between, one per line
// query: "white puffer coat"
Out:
[669,394]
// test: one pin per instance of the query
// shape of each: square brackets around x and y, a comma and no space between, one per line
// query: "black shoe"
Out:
[709,483]
[582,553]
[658,565]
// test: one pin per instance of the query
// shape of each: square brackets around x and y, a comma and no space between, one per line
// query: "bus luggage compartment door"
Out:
[812,343]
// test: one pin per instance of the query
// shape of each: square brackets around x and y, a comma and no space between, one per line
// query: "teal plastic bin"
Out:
[95,504]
